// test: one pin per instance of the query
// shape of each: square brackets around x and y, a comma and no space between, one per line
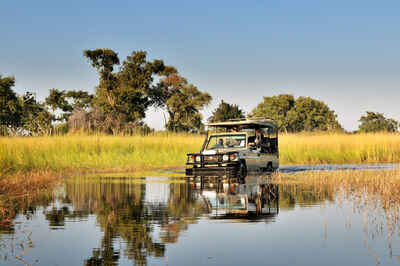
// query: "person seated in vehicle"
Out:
[260,142]
[259,138]
[219,144]
[252,139]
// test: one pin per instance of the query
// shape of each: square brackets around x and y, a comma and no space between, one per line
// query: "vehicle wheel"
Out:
[242,169]
[270,168]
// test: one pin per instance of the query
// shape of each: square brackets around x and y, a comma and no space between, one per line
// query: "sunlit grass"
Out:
[138,153]
[96,153]
[339,148]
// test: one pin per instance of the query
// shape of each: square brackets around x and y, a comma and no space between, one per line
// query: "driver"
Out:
[221,142]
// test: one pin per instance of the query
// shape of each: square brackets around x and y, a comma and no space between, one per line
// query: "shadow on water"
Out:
[139,219]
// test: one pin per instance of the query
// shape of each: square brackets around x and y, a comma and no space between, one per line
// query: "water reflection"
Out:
[141,219]
[131,212]
[248,199]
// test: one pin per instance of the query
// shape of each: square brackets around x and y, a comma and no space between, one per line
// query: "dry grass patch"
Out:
[17,190]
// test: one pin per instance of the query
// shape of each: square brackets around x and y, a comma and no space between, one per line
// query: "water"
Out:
[202,221]
[334,167]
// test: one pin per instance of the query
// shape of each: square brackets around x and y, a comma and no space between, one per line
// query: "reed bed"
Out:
[143,153]
[375,194]
[382,183]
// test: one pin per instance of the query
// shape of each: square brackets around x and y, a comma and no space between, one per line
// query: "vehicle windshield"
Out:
[226,142]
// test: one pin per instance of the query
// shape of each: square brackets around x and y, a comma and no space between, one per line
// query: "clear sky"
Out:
[346,53]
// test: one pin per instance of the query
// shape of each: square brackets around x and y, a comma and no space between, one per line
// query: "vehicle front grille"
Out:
[212,158]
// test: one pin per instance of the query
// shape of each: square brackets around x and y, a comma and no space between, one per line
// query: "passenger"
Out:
[221,142]
[259,137]
[262,143]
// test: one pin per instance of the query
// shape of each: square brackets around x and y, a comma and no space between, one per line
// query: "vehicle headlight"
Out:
[198,158]
[234,157]
[191,158]
[225,157]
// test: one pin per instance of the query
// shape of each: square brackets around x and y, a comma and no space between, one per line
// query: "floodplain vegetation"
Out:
[161,151]
[373,193]
[31,164]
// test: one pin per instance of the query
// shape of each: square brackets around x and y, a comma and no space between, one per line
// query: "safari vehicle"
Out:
[235,148]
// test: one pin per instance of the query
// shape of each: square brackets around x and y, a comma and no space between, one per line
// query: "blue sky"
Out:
[345,53]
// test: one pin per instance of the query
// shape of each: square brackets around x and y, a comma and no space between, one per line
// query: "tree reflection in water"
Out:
[146,216]
[123,210]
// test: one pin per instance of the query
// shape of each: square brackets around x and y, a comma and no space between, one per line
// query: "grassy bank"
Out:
[137,153]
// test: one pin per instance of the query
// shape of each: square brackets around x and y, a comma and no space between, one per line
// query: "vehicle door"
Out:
[253,159]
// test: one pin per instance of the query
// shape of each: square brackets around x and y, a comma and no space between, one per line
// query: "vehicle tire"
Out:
[242,169]
[270,168]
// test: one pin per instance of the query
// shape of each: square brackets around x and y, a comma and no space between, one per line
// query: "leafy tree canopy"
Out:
[183,102]
[124,96]
[226,111]
[377,122]
[314,115]
[295,115]
[66,101]
[21,114]
[36,119]
[280,108]
[10,110]
[103,60]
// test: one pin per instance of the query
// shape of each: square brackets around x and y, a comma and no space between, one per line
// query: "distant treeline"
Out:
[127,89]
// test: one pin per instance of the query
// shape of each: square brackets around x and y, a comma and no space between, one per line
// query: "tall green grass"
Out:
[339,148]
[112,153]
[96,153]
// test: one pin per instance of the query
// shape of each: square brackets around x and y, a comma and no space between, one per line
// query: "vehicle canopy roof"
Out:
[245,124]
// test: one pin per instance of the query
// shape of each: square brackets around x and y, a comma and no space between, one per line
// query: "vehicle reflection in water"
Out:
[243,199]
[150,221]
[146,214]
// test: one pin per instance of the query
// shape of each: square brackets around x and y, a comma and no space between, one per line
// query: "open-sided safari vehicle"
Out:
[235,148]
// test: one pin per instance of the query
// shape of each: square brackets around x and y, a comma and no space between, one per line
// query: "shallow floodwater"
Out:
[202,221]
[334,167]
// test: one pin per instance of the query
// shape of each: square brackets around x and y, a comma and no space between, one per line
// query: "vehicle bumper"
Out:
[228,171]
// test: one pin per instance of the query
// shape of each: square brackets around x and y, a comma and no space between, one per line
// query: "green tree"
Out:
[124,96]
[226,111]
[302,114]
[280,108]
[80,99]
[36,120]
[10,110]
[377,122]
[66,101]
[314,115]
[57,101]
[183,102]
